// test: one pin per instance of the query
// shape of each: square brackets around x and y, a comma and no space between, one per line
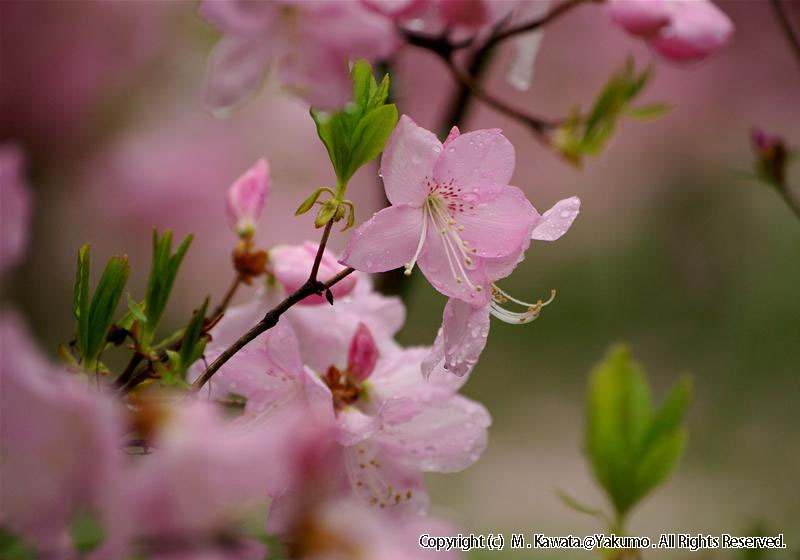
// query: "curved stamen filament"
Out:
[453,245]
[531,313]
[424,232]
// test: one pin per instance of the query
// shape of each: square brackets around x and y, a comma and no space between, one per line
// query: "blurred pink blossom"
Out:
[15,205]
[679,30]
[310,42]
[452,211]
[245,198]
[291,265]
[59,443]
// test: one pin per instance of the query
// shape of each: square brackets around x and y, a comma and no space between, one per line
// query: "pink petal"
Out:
[387,241]
[384,481]
[291,265]
[434,264]
[318,75]
[477,161]
[235,70]
[555,222]
[697,30]
[452,135]
[355,425]
[446,437]
[15,205]
[407,162]
[363,354]
[497,226]
[246,197]
[461,339]
[639,17]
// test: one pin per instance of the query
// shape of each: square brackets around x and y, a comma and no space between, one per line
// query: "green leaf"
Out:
[575,505]
[370,137]
[357,133]
[327,212]
[309,202]
[86,532]
[136,309]
[194,339]
[647,112]
[12,547]
[163,270]
[104,305]
[632,446]
[81,299]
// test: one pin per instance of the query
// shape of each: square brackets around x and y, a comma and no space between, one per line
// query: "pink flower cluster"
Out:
[334,416]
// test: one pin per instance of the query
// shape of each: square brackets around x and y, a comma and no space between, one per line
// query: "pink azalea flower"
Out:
[679,30]
[291,265]
[15,205]
[59,443]
[465,327]
[246,197]
[392,425]
[452,210]
[310,42]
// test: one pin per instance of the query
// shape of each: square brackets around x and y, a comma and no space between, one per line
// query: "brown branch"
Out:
[270,320]
[783,19]
[223,305]
[542,21]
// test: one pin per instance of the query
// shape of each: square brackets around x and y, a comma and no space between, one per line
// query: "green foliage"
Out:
[86,532]
[357,133]
[14,548]
[163,270]
[94,316]
[309,202]
[580,136]
[632,445]
[193,344]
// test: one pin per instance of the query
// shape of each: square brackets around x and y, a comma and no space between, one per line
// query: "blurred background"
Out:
[677,250]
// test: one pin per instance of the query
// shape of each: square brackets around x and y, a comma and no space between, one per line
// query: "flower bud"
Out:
[362,355]
[679,30]
[246,197]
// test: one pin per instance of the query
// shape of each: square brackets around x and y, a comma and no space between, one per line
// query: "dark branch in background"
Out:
[791,201]
[783,19]
[223,305]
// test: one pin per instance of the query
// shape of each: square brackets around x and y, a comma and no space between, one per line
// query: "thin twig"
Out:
[318,259]
[783,19]
[268,321]
[546,19]
[223,305]
[791,201]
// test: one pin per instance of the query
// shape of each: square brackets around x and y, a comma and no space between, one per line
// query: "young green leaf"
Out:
[104,305]
[137,310]
[632,446]
[327,212]
[194,339]
[81,299]
[370,136]
[647,112]
[163,270]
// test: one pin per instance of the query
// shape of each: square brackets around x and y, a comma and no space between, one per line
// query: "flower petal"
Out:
[446,437]
[387,241]
[442,263]
[465,329]
[384,481]
[477,161]
[555,222]
[235,70]
[407,162]
[497,227]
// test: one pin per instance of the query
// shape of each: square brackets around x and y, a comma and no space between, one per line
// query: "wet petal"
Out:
[387,241]
[235,70]
[479,162]
[408,161]
[555,222]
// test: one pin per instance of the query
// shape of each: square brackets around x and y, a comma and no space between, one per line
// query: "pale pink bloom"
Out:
[309,41]
[246,197]
[59,443]
[15,205]
[204,476]
[291,265]
[452,210]
[465,327]
[392,427]
[363,354]
[679,30]
[342,529]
